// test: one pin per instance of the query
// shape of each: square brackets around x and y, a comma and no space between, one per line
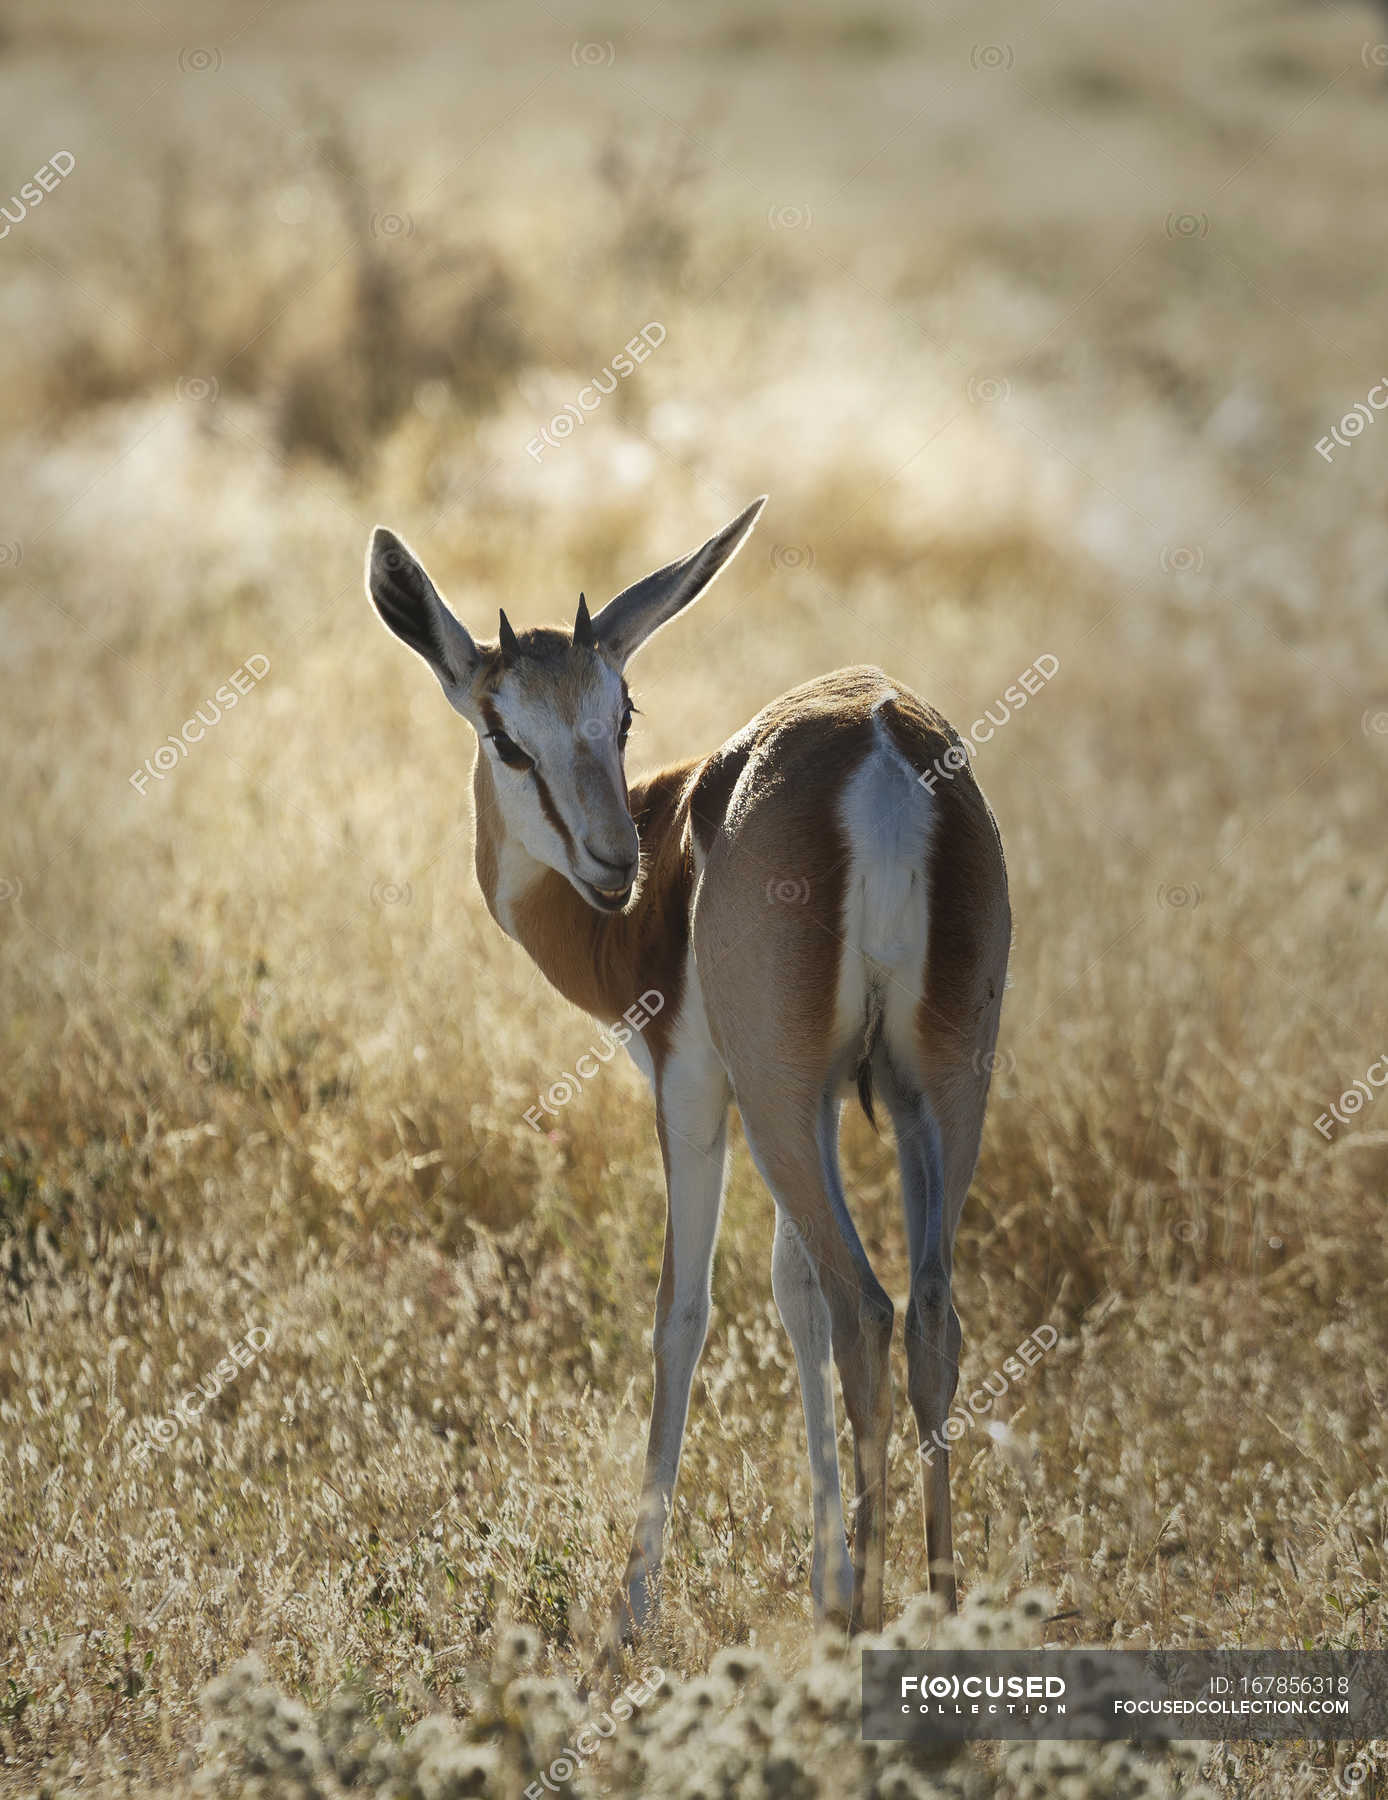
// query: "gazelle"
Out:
[815,915]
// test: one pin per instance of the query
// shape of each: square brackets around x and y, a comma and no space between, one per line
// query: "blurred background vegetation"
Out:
[1030,321]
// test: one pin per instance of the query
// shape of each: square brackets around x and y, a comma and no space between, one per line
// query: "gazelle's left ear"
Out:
[639,611]
[412,607]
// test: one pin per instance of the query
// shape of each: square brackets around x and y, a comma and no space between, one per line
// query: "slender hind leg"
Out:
[933,1337]
[805,1315]
[794,1145]
[933,1341]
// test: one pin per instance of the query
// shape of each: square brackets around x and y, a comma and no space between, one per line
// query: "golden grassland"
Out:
[1031,342]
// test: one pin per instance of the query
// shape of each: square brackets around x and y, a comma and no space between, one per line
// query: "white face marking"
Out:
[551,733]
[515,870]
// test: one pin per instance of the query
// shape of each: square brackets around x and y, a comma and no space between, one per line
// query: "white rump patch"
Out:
[888,818]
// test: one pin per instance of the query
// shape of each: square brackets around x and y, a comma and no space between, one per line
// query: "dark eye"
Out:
[624,728]
[509,751]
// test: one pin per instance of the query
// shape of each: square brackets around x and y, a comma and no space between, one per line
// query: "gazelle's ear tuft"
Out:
[411,606]
[639,611]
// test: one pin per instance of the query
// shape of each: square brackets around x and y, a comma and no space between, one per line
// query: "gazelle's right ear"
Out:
[639,611]
[411,606]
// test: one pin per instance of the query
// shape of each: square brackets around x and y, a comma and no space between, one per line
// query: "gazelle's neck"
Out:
[602,962]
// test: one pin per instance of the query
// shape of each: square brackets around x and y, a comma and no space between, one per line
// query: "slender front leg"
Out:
[692,1119]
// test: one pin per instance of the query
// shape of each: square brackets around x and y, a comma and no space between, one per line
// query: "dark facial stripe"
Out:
[551,811]
[542,793]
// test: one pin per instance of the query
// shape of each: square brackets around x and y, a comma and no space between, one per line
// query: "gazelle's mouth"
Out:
[609,899]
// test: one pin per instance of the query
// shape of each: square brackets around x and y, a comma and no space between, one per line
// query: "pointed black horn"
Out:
[510,644]
[583,626]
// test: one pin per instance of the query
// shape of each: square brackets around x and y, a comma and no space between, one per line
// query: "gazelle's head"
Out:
[552,707]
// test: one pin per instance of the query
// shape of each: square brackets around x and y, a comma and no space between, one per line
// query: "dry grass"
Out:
[265,1059]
